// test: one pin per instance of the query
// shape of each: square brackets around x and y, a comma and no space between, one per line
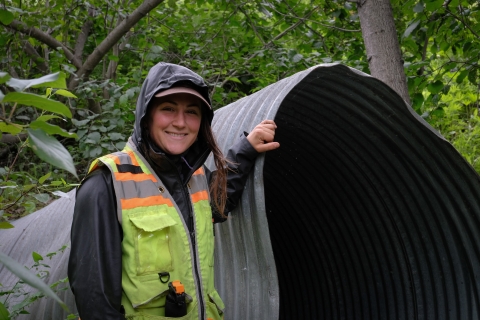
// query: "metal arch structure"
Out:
[44,231]
[364,212]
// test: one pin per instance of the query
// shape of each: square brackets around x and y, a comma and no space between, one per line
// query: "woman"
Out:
[142,233]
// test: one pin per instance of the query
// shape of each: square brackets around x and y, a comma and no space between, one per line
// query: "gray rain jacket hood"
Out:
[161,77]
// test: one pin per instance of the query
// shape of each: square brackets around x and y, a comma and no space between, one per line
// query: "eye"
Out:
[193,110]
[166,108]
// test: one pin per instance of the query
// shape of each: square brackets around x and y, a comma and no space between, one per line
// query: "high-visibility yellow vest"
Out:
[157,247]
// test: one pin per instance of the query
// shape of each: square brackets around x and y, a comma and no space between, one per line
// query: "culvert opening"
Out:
[371,215]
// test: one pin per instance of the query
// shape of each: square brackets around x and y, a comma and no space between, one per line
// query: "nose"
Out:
[179,120]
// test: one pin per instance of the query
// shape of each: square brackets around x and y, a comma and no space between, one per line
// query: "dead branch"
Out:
[44,38]
[37,58]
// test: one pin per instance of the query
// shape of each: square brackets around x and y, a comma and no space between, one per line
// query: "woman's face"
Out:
[175,122]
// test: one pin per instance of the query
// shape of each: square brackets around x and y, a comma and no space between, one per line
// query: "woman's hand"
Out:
[261,137]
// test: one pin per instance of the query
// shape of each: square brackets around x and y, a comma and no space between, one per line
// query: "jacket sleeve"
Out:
[242,158]
[95,264]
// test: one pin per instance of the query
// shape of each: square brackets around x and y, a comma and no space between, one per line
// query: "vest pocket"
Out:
[152,241]
[215,306]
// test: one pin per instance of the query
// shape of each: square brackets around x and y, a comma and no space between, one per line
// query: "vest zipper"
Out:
[195,259]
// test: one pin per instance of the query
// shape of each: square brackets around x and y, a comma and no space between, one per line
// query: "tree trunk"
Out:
[381,42]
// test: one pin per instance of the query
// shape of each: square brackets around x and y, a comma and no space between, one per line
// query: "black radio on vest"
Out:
[175,304]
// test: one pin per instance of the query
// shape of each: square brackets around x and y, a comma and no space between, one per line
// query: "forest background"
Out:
[82,65]
[86,62]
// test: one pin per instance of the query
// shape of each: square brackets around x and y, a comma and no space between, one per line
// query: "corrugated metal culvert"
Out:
[364,212]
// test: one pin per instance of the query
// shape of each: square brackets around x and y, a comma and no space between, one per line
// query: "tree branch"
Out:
[112,38]
[463,22]
[44,38]
[82,36]
[37,58]
[251,24]
[301,20]
[11,139]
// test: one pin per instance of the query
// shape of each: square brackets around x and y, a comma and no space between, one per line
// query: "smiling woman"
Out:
[142,226]
[175,121]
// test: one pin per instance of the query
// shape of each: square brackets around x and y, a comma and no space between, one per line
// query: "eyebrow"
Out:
[195,104]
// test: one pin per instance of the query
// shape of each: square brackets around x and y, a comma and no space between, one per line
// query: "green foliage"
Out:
[456,117]
[20,191]
[16,299]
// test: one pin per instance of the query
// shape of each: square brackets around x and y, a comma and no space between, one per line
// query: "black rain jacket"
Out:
[95,264]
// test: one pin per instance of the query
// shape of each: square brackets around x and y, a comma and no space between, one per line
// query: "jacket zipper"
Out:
[194,248]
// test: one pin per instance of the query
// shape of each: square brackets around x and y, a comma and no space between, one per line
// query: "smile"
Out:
[176,134]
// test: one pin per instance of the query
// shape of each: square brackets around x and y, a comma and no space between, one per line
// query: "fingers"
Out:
[261,137]
[267,147]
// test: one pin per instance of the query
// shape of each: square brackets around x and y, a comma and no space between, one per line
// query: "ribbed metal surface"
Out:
[369,213]
[44,231]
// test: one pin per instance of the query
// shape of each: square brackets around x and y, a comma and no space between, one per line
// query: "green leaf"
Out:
[42,179]
[466,47]
[50,150]
[4,77]
[29,278]
[113,57]
[65,93]
[462,76]
[417,102]
[444,45]
[435,87]
[120,145]
[47,117]
[52,129]
[95,152]
[6,17]
[4,314]
[11,128]
[123,99]
[410,28]
[296,58]
[94,137]
[6,225]
[29,206]
[439,112]
[54,80]
[433,5]
[36,257]
[116,136]
[80,123]
[42,197]
[418,8]
[472,76]
[59,83]
[34,100]
[234,79]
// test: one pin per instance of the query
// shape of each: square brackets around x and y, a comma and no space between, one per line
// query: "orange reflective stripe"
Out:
[134,159]
[145,202]
[115,158]
[200,195]
[128,176]
[199,171]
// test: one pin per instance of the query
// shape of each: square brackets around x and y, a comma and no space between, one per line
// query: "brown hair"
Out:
[218,184]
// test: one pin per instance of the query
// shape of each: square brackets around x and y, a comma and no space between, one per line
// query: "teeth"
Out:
[177,134]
